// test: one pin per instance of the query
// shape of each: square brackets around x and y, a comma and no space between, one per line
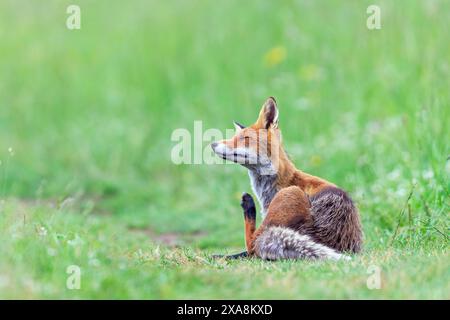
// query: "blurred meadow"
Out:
[86,118]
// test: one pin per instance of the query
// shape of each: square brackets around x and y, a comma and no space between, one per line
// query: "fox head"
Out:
[257,146]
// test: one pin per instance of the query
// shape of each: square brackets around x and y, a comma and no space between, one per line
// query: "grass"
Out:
[86,118]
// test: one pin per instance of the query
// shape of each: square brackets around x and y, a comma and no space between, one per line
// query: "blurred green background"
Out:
[86,118]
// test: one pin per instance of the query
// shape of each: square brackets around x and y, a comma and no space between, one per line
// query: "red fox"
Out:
[303,216]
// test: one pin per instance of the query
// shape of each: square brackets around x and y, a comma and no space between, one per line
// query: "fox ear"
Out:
[238,126]
[268,116]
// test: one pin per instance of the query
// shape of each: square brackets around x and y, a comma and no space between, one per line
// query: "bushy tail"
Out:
[283,243]
[336,220]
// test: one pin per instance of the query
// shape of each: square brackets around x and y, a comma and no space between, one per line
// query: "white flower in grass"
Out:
[94,262]
[75,242]
[428,174]
[400,192]
[394,175]
[156,252]
[51,252]
[42,231]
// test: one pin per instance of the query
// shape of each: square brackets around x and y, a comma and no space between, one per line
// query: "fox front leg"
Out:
[239,255]
[248,205]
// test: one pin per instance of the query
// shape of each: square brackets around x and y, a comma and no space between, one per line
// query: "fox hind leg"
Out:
[284,233]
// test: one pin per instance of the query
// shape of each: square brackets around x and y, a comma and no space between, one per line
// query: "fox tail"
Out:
[276,243]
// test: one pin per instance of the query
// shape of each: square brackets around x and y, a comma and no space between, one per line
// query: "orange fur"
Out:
[289,208]
[250,225]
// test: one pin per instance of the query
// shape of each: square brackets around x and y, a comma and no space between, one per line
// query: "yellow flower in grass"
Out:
[316,160]
[275,56]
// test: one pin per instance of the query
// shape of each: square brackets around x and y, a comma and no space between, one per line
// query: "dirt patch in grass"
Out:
[170,239]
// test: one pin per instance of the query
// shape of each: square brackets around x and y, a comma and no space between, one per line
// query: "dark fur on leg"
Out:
[248,205]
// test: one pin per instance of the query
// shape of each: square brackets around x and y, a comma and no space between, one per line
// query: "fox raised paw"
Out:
[248,205]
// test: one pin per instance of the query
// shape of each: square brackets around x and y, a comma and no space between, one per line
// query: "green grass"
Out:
[88,115]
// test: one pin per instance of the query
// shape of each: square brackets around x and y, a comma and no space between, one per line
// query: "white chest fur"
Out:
[264,187]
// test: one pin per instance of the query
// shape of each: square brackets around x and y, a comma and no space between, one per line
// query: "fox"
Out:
[303,216]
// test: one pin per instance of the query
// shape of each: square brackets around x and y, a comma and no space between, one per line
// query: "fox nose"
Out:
[214,145]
